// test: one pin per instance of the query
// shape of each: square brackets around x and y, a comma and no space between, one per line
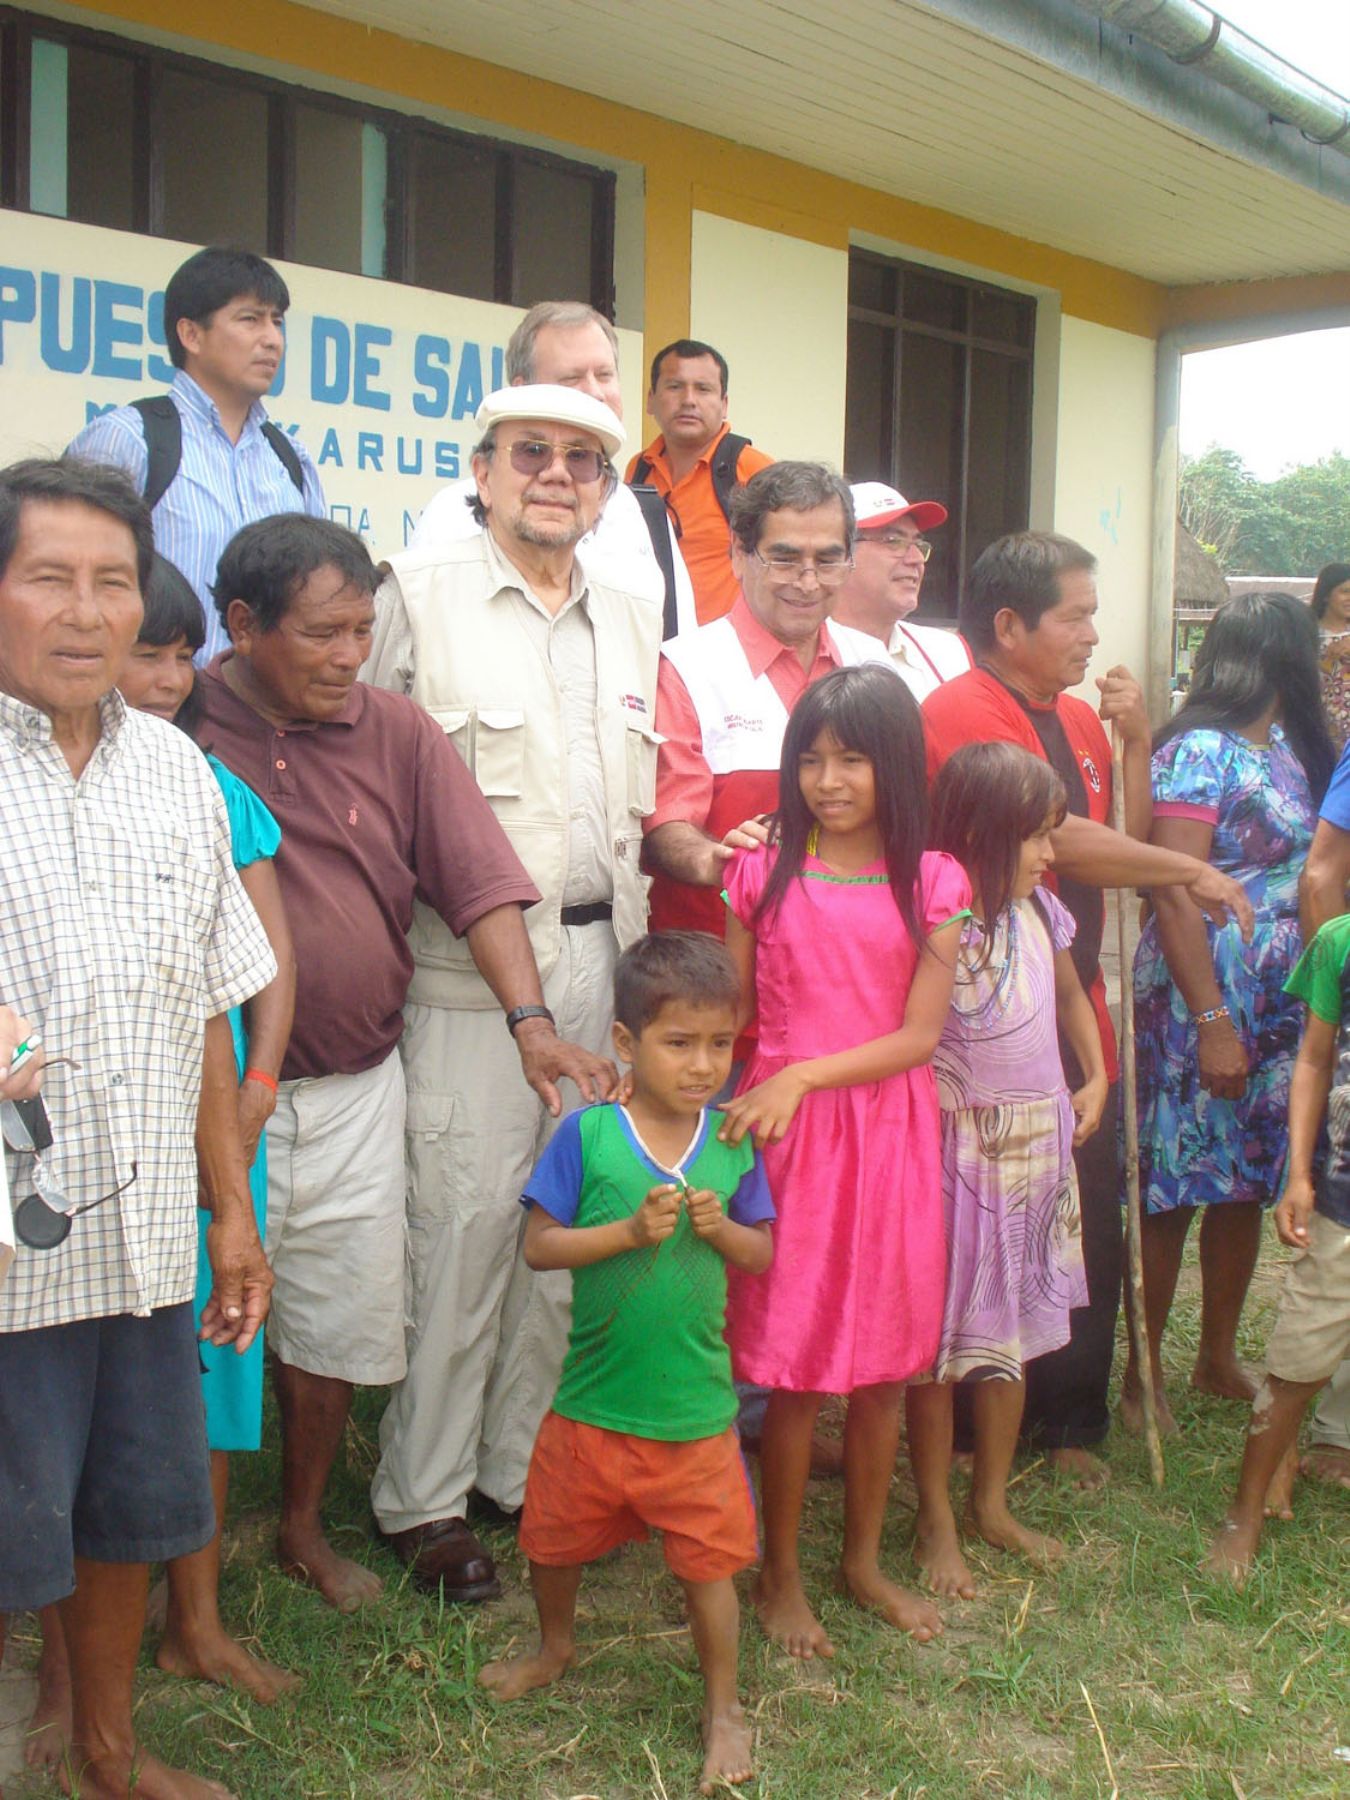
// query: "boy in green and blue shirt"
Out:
[646,1205]
[1312,1331]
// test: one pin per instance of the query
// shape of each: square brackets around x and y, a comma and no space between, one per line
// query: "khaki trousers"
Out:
[1331,1416]
[485,1335]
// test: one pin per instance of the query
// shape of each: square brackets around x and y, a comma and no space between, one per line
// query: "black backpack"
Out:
[164,447]
[657,518]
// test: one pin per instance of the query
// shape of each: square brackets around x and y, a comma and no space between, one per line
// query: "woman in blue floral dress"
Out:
[1237,777]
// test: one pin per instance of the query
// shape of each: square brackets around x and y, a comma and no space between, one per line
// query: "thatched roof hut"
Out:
[1198,583]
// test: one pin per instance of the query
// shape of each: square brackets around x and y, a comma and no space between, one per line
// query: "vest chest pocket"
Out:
[491,740]
[641,742]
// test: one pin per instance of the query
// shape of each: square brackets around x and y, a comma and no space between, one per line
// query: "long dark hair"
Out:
[1260,650]
[1329,579]
[868,710]
[988,800]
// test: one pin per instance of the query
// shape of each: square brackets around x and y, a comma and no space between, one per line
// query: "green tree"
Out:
[1289,526]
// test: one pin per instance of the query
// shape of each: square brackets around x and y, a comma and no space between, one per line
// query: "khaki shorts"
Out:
[335,1235]
[1312,1329]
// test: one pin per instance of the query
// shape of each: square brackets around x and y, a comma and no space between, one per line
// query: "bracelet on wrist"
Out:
[518,1015]
[262,1077]
[1211,1016]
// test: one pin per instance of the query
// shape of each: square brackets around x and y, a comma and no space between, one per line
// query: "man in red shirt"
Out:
[1028,617]
[694,465]
[724,692]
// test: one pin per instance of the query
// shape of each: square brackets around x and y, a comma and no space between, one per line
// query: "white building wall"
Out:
[1104,478]
[777,309]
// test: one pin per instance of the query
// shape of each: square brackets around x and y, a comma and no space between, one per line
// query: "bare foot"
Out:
[48,1736]
[1132,1411]
[997,1526]
[216,1656]
[1326,1462]
[509,1679]
[727,1746]
[1081,1467]
[787,1619]
[139,1777]
[1280,1494]
[308,1556]
[1227,1380]
[937,1550]
[1234,1547]
[905,1610]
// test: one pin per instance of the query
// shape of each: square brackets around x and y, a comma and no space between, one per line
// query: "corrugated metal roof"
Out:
[896,97]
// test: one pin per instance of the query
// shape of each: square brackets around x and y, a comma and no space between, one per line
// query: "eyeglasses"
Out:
[828,570]
[531,456]
[897,542]
[42,1220]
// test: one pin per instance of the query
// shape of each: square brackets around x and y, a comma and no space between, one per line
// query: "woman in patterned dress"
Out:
[1237,778]
[1331,609]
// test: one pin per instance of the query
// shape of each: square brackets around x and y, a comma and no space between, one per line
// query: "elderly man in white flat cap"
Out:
[890,553]
[544,680]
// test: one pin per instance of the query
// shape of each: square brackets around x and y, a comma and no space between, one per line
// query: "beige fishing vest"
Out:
[478,675]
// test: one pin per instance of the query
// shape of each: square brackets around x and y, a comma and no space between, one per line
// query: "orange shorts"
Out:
[589,1490]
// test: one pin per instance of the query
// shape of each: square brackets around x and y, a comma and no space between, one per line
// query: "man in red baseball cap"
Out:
[889,555]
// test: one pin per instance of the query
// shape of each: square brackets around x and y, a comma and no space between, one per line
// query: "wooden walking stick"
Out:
[1129,1102]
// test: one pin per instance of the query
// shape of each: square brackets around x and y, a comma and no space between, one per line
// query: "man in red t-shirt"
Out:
[1028,615]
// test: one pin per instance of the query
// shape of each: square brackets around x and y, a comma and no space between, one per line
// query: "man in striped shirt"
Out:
[224,323]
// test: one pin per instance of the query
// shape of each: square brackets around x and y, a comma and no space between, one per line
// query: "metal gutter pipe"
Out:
[1193,34]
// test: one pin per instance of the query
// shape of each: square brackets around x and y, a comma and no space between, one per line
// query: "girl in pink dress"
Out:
[845,933]
[1009,1127]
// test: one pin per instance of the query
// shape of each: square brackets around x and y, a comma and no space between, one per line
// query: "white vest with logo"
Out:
[741,719]
[482,680]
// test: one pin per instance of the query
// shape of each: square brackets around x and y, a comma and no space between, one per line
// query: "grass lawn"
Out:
[1123,1669]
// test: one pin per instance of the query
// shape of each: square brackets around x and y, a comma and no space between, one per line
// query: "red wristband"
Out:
[268,1081]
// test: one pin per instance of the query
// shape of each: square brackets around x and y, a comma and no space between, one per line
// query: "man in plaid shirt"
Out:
[124,937]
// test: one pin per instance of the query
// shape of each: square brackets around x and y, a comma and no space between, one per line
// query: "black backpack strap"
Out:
[284,447]
[163,445]
[642,473]
[724,469]
[657,521]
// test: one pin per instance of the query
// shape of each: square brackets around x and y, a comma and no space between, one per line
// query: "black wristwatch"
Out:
[518,1014]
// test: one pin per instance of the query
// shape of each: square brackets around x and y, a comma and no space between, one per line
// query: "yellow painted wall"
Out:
[686,170]
[1104,478]
[789,358]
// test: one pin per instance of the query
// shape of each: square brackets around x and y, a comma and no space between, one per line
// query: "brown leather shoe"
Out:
[445,1554]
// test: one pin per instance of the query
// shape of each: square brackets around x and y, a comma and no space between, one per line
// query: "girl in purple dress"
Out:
[1009,1127]
[845,934]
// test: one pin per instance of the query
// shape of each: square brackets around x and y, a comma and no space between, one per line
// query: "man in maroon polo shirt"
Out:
[376,811]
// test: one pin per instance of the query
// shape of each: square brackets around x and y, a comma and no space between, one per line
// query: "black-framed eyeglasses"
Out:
[531,456]
[896,542]
[42,1219]
[829,570]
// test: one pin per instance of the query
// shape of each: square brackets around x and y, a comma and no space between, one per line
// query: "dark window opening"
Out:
[939,405]
[110,132]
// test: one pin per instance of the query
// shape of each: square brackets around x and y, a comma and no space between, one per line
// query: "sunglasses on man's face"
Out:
[531,456]
[42,1219]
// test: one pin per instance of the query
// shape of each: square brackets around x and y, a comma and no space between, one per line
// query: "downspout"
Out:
[1194,34]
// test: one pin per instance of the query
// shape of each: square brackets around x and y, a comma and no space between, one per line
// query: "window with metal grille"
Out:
[112,132]
[939,405]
